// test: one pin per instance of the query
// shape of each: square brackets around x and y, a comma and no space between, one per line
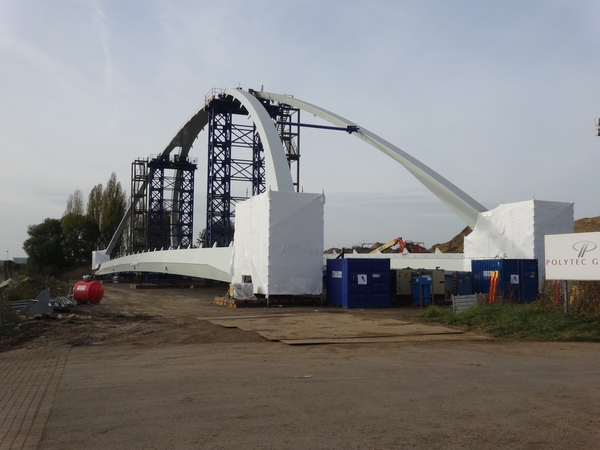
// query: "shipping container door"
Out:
[529,280]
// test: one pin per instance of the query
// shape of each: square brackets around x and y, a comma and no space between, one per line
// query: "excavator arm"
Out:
[393,242]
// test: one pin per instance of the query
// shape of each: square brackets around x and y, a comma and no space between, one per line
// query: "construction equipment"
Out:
[410,246]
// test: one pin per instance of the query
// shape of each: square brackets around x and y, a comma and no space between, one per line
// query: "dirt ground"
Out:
[153,317]
[146,369]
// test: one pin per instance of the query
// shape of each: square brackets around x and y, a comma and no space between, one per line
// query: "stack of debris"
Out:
[42,304]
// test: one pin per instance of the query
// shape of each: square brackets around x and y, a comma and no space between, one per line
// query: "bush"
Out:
[584,296]
[534,321]
[30,288]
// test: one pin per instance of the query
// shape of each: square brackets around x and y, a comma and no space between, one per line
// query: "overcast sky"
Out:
[498,97]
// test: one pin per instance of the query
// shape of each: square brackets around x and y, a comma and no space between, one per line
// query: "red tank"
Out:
[88,292]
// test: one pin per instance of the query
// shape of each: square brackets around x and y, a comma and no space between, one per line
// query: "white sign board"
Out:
[573,256]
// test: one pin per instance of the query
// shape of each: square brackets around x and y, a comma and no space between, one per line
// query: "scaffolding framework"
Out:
[235,167]
[289,132]
[138,224]
[171,202]
[163,203]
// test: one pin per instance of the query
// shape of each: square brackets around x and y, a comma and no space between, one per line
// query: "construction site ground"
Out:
[156,368]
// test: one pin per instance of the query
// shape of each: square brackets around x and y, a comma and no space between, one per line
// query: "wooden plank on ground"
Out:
[391,339]
[327,326]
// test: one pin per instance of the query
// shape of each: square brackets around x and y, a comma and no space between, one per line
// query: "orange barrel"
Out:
[88,292]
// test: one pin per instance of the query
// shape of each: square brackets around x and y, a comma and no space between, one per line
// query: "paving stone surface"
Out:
[28,385]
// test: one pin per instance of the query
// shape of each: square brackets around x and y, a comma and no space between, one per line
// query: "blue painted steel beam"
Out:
[348,129]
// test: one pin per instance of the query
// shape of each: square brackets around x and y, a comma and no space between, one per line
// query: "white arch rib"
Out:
[458,201]
[277,171]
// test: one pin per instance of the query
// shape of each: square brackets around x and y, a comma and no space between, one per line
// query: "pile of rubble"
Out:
[42,304]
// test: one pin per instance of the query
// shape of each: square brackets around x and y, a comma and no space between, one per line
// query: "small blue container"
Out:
[358,282]
[421,289]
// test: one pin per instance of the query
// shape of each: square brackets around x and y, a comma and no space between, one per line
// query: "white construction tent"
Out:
[278,243]
[517,230]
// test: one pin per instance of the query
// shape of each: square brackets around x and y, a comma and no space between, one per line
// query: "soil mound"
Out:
[454,245]
[587,225]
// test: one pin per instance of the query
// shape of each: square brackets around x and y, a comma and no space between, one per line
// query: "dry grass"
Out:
[584,296]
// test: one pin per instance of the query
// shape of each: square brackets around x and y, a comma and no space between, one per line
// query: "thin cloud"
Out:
[98,17]
[99,20]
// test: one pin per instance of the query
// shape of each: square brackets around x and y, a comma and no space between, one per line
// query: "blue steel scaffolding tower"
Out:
[235,166]
[170,202]
[163,188]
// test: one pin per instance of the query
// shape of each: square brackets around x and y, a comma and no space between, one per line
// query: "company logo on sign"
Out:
[583,247]
[574,256]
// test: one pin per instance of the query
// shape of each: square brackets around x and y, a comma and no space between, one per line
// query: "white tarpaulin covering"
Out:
[278,242]
[517,230]
[99,257]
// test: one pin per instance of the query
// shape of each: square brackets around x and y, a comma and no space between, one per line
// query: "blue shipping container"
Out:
[358,283]
[517,278]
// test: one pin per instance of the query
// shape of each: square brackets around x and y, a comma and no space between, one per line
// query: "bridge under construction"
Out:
[243,161]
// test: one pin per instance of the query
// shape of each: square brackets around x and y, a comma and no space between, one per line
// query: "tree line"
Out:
[57,245]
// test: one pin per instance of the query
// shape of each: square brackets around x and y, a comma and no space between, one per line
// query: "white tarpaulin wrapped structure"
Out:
[278,243]
[99,257]
[517,230]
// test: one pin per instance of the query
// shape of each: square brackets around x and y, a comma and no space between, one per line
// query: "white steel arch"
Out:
[458,201]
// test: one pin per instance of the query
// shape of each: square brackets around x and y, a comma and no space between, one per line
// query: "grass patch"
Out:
[32,286]
[532,321]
